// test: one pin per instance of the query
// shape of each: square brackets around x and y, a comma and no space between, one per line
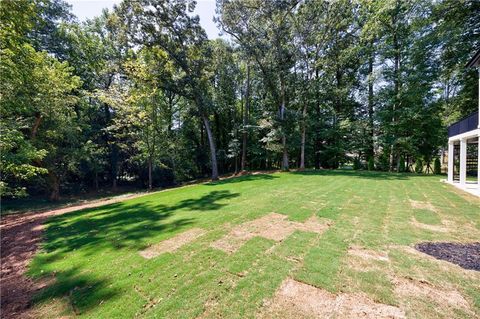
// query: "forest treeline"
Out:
[139,95]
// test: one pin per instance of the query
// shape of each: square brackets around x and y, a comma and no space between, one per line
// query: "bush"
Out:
[401,165]
[383,162]
[437,167]
[356,164]
[371,164]
[418,166]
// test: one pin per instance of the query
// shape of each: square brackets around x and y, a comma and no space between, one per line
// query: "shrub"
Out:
[383,162]
[437,167]
[401,165]
[418,166]
[371,164]
[356,164]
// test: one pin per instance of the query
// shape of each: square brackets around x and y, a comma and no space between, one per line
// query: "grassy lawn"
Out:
[94,254]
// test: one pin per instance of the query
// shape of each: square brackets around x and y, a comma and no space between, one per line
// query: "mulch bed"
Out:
[466,256]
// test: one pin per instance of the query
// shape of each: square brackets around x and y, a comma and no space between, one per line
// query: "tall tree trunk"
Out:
[396,74]
[317,144]
[282,118]
[36,124]
[236,164]
[113,149]
[149,173]
[304,129]
[371,148]
[114,159]
[245,121]
[55,186]
[96,180]
[213,151]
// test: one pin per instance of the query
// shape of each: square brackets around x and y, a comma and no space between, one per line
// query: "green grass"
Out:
[94,253]
[426,216]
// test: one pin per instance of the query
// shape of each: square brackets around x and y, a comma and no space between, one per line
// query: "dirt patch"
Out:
[466,256]
[172,244]
[408,287]
[298,300]
[422,205]
[272,226]
[434,228]
[367,254]
[20,237]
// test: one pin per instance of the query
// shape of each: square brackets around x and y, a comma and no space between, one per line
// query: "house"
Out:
[464,148]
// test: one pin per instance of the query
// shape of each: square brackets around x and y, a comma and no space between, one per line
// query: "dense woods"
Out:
[141,96]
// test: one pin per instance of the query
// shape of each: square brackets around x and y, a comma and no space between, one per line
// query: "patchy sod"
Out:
[272,226]
[360,255]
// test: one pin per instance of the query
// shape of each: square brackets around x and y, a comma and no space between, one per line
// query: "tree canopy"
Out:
[140,96]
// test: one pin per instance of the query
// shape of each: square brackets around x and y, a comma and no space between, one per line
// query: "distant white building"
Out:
[464,146]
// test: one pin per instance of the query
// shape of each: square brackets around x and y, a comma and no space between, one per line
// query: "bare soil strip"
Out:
[20,237]
[434,228]
[172,244]
[422,205]
[272,226]
[367,254]
[298,300]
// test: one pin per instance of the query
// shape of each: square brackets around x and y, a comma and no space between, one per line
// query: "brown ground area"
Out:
[272,226]
[367,254]
[422,205]
[173,243]
[434,228]
[408,287]
[298,300]
[20,238]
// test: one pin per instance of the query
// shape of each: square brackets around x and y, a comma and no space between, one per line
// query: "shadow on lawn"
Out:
[244,178]
[81,292]
[123,225]
[115,226]
[358,174]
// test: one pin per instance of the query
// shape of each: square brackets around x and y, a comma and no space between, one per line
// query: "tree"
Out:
[252,24]
[169,26]
[37,105]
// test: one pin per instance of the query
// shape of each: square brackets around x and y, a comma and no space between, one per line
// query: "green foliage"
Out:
[437,166]
[357,164]
[371,164]
[419,166]
[139,95]
[401,164]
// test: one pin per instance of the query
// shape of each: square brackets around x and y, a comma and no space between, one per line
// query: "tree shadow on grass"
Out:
[358,174]
[83,292]
[204,203]
[244,178]
[92,231]
[122,225]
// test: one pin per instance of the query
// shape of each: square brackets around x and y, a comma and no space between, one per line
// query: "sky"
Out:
[85,9]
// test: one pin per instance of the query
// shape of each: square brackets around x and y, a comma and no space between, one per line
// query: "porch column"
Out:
[463,161]
[478,165]
[450,162]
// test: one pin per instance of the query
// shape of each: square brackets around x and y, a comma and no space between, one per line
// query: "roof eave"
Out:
[474,61]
